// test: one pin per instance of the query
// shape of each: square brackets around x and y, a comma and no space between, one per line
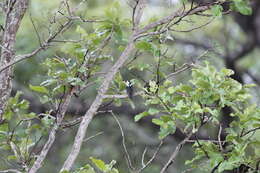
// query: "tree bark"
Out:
[14,12]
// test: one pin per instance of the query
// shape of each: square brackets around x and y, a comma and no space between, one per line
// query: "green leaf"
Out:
[11,157]
[24,104]
[225,165]
[171,90]
[99,164]
[80,30]
[82,69]
[141,115]
[227,72]
[217,10]
[166,129]
[144,45]
[4,128]
[118,34]
[153,111]
[85,169]
[119,82]
[167,82]
[243,7]
[153,86]
[39,89]
[44,99]
[157,53]
[143,66]
[8,115]
[118,102]
[65,171]
[158,122]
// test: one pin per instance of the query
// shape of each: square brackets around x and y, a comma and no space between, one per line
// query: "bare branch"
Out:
[175,153]
[193,43]
[122,96]
[9,51]
[183,68]
[93,136]
[10,170]
[52,135]
[128,158]
[194,28]
[143,156]
[138,12]
[207,140]
[169,18]
[67,41]
[71,123]
[152,158]
[251,130]
[219,137]
[44,45]
[35,29]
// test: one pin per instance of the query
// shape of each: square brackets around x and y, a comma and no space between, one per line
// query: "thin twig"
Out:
[219,137]
[179,13]
[206,140]
[194,28]
[122,96]
[251,130]
[143,156]
[183,68]
[35,29]
[44,45]
[128,158]
[8,50]
[151,159]
[93,136]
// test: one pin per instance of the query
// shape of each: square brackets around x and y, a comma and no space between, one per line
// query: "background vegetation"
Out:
[192,108]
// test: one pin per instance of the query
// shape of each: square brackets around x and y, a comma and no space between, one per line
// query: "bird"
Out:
[129,89]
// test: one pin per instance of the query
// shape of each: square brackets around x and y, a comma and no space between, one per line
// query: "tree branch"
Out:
[175,153]
[98,101]
[44,45]
[180,13]
[52,135]
[95,105]
[10,170]
[14,15]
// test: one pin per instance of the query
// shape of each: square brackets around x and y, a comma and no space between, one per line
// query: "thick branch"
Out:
[14,15]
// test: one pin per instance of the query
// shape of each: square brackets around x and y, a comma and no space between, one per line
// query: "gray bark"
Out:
[14,12]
